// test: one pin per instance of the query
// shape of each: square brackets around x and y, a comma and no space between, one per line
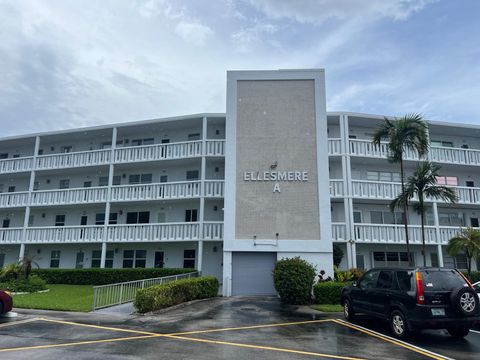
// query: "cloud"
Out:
[246,38]
[153,8]
[318,11]
[193,33]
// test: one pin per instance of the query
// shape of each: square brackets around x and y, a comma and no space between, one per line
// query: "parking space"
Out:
[224,328]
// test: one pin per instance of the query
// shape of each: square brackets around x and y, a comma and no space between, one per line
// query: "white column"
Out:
[201,214]
[107,204]
[437,233]
[29,198]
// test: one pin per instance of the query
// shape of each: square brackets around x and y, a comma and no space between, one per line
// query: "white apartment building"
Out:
[228,194]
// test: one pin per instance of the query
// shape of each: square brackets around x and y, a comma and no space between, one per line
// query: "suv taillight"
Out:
[466,280]
[420,289]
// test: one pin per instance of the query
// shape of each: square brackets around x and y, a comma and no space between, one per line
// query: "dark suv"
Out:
[415,298]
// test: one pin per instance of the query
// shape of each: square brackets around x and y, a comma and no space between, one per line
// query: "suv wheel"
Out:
[458,332]
[398,325]
[348,310]
[1,307]
[465,301]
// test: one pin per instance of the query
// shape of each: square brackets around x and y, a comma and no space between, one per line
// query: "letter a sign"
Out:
[276,188]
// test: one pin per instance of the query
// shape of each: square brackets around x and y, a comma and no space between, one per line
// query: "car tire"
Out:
[348,310]
[458,332]
[1,307]
[399,325]
[465,301]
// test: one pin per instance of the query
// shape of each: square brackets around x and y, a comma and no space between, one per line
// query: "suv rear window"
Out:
[441,280]
[405,280]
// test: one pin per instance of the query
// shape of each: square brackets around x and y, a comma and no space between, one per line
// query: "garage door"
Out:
[252,273]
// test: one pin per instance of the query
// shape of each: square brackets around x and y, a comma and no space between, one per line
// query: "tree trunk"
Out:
[405,211]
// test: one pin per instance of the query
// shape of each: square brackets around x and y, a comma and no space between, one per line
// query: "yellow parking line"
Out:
[18,322]
[251,327]
[99,327]
[23,348]
[390,340]
[258,347]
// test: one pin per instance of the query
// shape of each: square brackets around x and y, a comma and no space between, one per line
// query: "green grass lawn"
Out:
[328,307]
[60,297]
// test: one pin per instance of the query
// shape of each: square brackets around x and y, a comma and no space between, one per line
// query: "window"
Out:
[87,184]
[1,188]
[103,181]
[189,259]
[59,220]
[360,261]
[474,223]
[165,141]
[461,262]
[369,280]
[100,219]
[40,151]
[192,175]
[141,217]
[11,188]
[385,280]
[136,142]
[163,178]
[390,258]
[30,220]
[447,180]
[469,184]
[3,155]
[148,141]
[191,215]
[106,145]
[55,259]
[140,179]
[139,142]
[116,180]
[386,217]
[383,176]
[66,149]
[64,184]
[441,143]
[134,257]
[36,185]
[2,260]
[405,280]
[16,156]
[112,219]
[451,219]
[97,258]
[194,136]
[434,259]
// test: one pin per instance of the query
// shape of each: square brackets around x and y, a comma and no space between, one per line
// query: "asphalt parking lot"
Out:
[234,328]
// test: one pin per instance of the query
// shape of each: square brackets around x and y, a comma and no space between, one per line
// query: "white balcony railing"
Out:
[336,188]
[153,232]
[214,188]
[334,147]
[215,148]
[15,199]
[158,191]
[73,159]
[213,230]
[177,150]
[455,155]
[339,232]
[395,234]
[69,196]
[10,235]
[16,165]
[365,148]
[64,234]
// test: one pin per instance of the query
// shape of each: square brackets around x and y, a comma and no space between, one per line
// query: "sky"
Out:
[68,63]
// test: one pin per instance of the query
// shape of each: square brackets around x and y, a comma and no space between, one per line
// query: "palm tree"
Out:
[11,271]
[468,242]
[423,184]
[406,133]
[27,263]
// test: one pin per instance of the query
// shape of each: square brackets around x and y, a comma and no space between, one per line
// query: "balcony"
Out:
[336,188]
[115,233]
[69,196]
[334,147]
[179,150]
[158,191]
[15,199]
[215,148]
[339,231]
[74,159]
[214,188]
[455,155]
[14,165]
[364,189]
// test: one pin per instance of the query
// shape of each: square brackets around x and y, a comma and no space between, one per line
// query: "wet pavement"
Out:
[233,328]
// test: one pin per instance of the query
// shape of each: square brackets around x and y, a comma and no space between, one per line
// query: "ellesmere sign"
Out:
[276,176]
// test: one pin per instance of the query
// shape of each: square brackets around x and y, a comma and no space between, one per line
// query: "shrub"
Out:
[102,276]
[337,255]
[328,292]
[32,284]
[293,279]
[356,273]
[175,292]
[347,275]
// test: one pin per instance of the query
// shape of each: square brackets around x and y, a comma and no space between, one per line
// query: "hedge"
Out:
[473,277]
[328,292]
[176,292]
[33,284]
[102,276]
